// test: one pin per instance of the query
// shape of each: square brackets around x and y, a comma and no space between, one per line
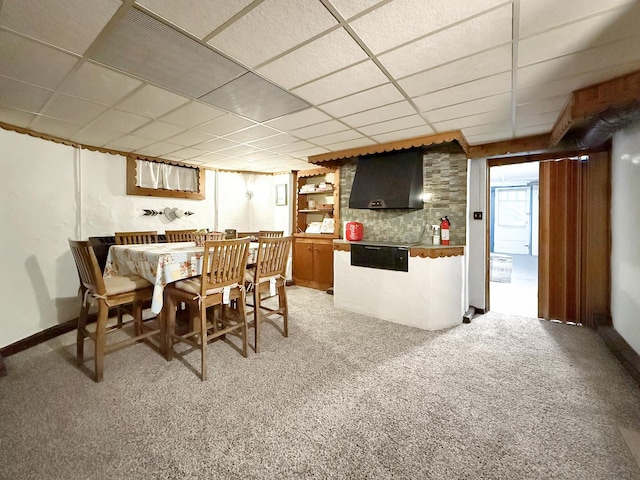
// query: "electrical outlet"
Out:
[477,215]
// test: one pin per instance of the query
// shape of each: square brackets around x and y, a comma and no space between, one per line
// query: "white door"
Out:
[512,227]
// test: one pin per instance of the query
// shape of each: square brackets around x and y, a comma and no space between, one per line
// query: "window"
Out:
[164,179]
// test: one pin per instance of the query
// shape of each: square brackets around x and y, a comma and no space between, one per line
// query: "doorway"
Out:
[513,238]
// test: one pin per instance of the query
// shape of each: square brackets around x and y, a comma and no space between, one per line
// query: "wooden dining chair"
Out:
[179,235]
[221,283]
[108,292]
[132,238]
[269,277]
[270,233]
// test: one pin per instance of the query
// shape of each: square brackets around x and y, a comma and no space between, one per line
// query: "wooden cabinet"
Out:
[313,261]
[317,198]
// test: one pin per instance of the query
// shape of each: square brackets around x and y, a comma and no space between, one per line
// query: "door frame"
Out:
[510,160]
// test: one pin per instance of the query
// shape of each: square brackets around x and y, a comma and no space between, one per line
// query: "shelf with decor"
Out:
[317,223]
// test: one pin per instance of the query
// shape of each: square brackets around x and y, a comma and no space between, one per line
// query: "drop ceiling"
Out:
[261,85]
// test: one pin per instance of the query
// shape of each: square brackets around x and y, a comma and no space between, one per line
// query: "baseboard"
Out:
[47,334]
[39,337]
[629,358]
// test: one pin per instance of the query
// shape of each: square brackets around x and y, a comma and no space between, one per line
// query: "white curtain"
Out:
[165,176]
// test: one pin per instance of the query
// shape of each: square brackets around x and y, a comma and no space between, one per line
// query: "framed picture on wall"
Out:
[281,194]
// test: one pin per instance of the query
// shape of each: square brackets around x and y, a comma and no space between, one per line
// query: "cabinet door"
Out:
[303,260]
[323,263]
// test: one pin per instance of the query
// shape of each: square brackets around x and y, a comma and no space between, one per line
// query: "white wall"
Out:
[476,202]
[625,227]
[51,192]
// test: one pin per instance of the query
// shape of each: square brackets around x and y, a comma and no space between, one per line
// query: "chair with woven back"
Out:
[220,284]
[132,238]
[269,277]
[179,235]
[108,292]
[270,233]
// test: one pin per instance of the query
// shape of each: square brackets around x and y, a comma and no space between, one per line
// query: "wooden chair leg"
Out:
[170,326]
[81,334]
[243,318]
[256,317]
[203,343]
[284,307]
[137,317]
[101,336]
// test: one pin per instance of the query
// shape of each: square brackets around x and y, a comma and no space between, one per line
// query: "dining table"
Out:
[160,264]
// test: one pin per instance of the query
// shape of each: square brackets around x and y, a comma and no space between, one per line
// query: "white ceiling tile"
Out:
[484,87]
[548,105]
[271,28]
[216,144]
[308,152]
[402,21]
[72,24]
[252,133]
[130,142]
[346,82]
[487,128]
[274,141]
[330,53]
[197,17]
[368,99]
[192,115]
[380,114]
[55,126]
[597,58]
[489,137]
[534,130]
[481,105]
[292,147]
[223,125]
[459,123]
[189,138]
[15,117]
[186,153]
[349,8]
[119,121]
[95,136]
[304,118]
[325,128]
[588,33]
[476,34]
[46,67]
[564,86]
[524,121]
[403,134]
[538,15]
[151,101]
[158,130]
[73,109]
[355,143]
[392,125]
[211,157]
[157,149]
[21,96]
[476,66]
[239,150]
[336,137]
[99,84]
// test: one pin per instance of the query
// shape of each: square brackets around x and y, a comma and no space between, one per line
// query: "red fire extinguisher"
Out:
[444,229]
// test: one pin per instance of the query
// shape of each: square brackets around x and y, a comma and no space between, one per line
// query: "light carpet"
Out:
[345,396]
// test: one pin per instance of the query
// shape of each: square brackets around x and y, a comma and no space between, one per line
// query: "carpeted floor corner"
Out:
[345,396]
